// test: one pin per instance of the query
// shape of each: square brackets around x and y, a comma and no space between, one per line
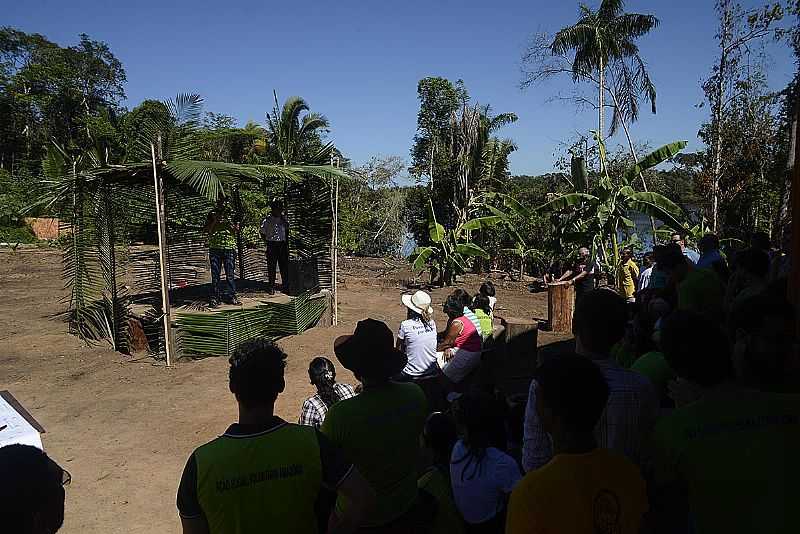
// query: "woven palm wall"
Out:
[308,206]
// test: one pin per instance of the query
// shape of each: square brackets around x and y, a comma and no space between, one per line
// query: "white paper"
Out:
[17,429]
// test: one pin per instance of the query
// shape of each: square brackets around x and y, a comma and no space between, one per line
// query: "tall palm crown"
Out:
[601,37]
[297,139]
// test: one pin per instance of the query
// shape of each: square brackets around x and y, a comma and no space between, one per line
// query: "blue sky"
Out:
[359,62]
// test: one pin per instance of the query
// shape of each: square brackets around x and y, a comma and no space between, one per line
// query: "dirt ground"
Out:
[124,425]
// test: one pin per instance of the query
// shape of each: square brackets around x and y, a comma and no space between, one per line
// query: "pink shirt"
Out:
[469,338]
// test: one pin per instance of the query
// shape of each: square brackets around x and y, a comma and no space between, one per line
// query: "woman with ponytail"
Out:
[322,374]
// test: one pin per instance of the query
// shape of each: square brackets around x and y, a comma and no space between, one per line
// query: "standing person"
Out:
[583,275]
[460,347]
[322,374]
[680,240]
[726,457]
[487,289]
[600,321]
[644,277]
[700,290]
[709,251]
[627,276]
[483,311]
[32,492]
[481,474]
[380,429]
[275,231]
[222,232]
[263,470]
[583,489]
[417,337]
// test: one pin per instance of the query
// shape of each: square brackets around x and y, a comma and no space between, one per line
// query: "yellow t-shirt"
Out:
[599,492]
[625,278]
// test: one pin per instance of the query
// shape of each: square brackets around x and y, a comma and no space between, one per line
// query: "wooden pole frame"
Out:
[335,243]
[162,257]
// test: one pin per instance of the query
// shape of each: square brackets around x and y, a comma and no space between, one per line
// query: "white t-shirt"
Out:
[420,343]
[492,302]
[480,491]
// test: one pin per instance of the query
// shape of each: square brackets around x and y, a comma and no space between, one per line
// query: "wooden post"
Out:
[162,247]
[334,244]
[521,345]
[560,304]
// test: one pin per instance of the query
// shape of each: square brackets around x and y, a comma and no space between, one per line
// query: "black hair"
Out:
[761,241]
[453,306]
[753,261]
[476,415]
[671,257]
[32,485]
[751,316]
[574,389]
[463,297]
[322,374]
[439,434]
[487,288]
[256,372]
[481,302]
[711,239]
[696,348]
[600,319]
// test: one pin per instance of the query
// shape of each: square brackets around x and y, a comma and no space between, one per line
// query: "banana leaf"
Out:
[482,222]
[655,205]
[420,255]
[654,158]
[471,249]
[570,200]
[435,230]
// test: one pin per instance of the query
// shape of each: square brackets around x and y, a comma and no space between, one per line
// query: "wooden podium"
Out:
[560,305]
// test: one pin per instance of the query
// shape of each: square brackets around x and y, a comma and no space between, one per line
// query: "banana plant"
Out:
[446,255]
[596,218]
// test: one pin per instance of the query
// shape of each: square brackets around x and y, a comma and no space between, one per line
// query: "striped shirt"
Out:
[625,425]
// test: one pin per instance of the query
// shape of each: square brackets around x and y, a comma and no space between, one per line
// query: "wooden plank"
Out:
[162,260]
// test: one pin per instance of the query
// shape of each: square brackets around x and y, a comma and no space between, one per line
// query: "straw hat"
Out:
[419,302]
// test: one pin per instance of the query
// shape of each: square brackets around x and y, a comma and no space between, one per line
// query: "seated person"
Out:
[263,470]
[481,474]
[417,338]
[487,289]
[482,310]
[380,429]
[322,374]
[466,301]
[32,491]
[726,458]
[583,489]
[633,407]
[459,352]
[438,438]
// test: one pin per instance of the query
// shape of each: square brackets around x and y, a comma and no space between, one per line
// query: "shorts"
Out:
[460,365]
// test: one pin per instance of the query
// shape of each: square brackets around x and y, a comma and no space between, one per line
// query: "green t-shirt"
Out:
[654,366]
[379,431]
[736,456]
[222,237]
[702,292]
[486,323]
[448,520]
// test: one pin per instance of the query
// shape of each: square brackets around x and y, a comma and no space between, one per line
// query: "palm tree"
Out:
[601,38]
[297,139]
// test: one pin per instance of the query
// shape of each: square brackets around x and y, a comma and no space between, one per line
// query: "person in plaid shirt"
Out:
[322,374]
[632,408]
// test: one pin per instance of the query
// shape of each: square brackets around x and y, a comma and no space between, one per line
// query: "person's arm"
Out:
[360,499]
[450,336]
[401,339]
[193,520]
[564,276]
[537,448]
[580,276]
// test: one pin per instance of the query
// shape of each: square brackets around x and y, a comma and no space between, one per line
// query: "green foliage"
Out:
[449,251]
[599,218]
[17,234]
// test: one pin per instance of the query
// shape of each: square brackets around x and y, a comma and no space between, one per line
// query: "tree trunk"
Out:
[716,170]
[601,101]
[560,305]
